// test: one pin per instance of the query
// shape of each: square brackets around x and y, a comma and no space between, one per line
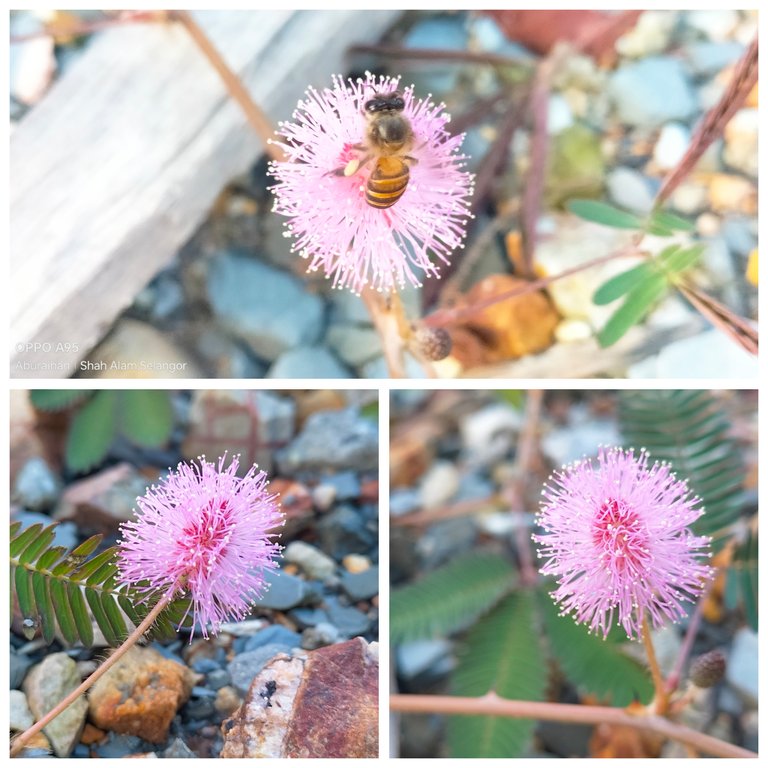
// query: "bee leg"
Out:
[411,160]
[351,168]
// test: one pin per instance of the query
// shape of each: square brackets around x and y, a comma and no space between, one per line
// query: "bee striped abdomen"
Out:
[387,182]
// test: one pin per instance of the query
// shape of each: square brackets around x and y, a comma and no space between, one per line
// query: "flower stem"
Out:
[18,743]
[493,705]
[661,700]
[234,85]
[387,314]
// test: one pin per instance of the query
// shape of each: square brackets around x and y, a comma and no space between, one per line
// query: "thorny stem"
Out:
[448,317]
[661,699]
[18,743]
[526,450]
[493,705]
[673,681]
[253,112]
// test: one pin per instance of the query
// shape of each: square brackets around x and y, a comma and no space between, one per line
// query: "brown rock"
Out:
[91,734]
[320,704]
[140,695]
[101,502]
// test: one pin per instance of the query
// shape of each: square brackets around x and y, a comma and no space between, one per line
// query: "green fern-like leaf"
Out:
[689,430]
[502,653]
[58,399]
[145,416]
[60,589]
[450,598]
[592,664]
[741,580]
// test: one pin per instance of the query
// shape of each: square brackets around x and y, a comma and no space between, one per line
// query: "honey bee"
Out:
[388,139]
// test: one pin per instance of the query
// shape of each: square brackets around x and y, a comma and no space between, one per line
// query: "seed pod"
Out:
[708,669]
[431,343]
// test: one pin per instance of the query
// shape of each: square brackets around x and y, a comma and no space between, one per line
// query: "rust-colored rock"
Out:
[140,695]
[323,703]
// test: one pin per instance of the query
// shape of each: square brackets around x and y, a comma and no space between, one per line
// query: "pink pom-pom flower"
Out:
[205,530]
[332,225]
[617,538]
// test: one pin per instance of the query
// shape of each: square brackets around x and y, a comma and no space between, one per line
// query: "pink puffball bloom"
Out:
[617,538]
[333,226]
[206,530]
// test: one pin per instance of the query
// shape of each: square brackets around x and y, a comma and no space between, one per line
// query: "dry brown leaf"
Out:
[508,329]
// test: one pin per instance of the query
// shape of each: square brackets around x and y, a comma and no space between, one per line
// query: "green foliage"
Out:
[642,286]
[57,399]
[638,303]
[605,214]
[688,429]
[92,431]
[514,397]
[56,588]
[741,579]
[449,598]
[144,417]
[658,222]
[501,654]
[592,664]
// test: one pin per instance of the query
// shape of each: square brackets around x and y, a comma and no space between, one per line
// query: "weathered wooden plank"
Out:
[112,171]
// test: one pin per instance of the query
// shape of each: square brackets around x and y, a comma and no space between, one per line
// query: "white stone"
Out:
[573,243]
[559,114]
[671,145]
[689,198]
[439,484]
[490,432]
[651,34]
[740,151]
[19,715]
[714,25]
[573,330]
[707,355]
[630,189]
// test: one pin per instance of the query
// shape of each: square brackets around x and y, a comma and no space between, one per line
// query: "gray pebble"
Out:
[285,591]
[344,532]
[630,189]
[119,745]
[274,635]
[218,678]
[308,363]
[308,617]
[320,636]
[349,621]
[179,749]
[651,92]
[245,666]
[18,668]
[361,586]
[266,307]
[333,440]
[37,487]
